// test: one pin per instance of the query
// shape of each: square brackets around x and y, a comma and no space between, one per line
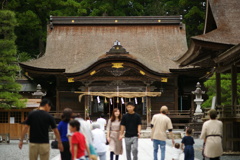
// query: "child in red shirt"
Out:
[78,142]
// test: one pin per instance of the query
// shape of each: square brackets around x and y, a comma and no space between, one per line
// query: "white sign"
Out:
[12,120]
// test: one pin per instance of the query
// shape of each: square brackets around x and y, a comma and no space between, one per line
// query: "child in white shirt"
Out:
[176,151]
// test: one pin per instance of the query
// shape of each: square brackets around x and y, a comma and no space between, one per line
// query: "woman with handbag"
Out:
[113,131]
[63,129]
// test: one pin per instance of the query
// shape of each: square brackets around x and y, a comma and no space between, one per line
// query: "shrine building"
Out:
[95,64]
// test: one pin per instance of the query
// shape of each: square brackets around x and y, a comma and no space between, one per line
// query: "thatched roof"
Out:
[226,15]
[221,33]
[75,43]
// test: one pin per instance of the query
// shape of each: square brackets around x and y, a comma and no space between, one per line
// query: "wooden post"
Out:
[148,106]
[86,108]
[176,93]
[218,88]
[57,95]
[234,87]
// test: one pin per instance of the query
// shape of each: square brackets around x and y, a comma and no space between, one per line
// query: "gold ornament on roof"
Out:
[117,65]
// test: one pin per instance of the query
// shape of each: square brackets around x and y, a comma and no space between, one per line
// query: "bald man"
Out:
[160,124]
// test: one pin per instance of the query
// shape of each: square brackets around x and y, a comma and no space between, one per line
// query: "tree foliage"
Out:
[193,13]
[225,89]
[9,89]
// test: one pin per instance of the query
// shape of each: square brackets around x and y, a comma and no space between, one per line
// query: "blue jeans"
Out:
[102,155]
[162,145]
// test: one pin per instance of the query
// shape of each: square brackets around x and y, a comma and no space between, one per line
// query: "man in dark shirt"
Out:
[39,122]
[131,123]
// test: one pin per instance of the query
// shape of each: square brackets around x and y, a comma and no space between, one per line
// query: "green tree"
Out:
[9,89]
[32,17]
[193,16]
[193,13]
[225,89]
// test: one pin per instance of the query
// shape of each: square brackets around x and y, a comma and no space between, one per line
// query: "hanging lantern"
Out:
[98,99]
[122,100]
[105,100]
[136,101]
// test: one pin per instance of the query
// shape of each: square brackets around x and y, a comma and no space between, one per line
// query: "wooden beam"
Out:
[125,78]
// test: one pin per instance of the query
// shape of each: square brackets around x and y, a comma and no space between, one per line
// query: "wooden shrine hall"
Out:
[219,49]
[94,64]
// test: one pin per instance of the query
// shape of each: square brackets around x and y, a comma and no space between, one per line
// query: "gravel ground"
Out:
[12,152]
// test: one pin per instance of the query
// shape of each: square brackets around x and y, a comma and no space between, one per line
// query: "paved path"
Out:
[145,151]
[12,152]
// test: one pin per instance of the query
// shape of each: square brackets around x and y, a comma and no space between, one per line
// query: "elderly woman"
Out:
[212,136]
[99,141]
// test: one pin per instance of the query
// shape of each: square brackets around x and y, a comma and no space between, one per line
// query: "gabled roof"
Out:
[221,33]
[226,16]
[75,43]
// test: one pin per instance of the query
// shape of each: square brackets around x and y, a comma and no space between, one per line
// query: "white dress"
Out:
[176,153]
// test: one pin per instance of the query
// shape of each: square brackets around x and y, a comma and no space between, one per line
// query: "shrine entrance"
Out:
[105,106]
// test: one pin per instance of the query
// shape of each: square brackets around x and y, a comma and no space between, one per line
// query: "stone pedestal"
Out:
[198,108]
[196,124]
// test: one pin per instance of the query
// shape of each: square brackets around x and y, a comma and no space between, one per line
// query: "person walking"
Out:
[102,122]
[85,129]
[99,141]
[160,124]
[39,121]
[88,120]
[78,142]
[212,135]
[113,131]
[187,145]
[131,124]
[63,129]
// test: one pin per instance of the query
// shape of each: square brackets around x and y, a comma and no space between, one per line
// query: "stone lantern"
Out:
[39,94]
[198,98]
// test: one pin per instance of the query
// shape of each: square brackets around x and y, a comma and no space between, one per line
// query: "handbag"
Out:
[54,144]
[107,143]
